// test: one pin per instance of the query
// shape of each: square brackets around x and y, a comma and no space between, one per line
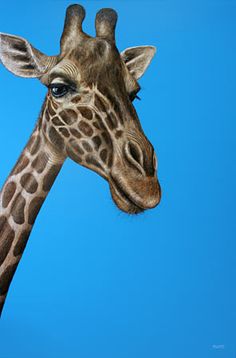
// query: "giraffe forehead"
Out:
[93,50]
[93,62]
[65,68]
[94,56]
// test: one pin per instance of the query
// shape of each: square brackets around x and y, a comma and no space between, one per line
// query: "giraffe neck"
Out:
[21,198]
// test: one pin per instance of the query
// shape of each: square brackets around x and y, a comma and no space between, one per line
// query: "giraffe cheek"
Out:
[56,139]
[74,150]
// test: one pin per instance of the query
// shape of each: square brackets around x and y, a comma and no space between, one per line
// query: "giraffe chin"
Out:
[134,195]
[123,202]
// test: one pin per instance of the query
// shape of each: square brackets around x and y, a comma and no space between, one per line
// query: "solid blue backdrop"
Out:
[94,282]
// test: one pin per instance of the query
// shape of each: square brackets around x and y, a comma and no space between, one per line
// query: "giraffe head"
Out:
[88,112]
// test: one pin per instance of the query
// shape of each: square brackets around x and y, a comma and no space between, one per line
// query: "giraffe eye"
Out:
[59,89]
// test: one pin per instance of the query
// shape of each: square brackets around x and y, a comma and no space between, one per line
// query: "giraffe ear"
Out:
[137,59]
[21,58]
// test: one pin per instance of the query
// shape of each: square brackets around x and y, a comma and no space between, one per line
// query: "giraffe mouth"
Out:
[123,201]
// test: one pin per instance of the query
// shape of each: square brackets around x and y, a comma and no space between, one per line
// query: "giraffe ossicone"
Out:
[88,116]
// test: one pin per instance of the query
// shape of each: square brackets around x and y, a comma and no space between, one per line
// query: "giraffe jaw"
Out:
[122,200]
[134,195]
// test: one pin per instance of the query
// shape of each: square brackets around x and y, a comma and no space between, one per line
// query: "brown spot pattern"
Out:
[64,132]
[110,160]
[92,161]
[2,300]
[50,177]
[76,99]
[76,147]
[103,155]
[29,183]
[6,278]
[87,146]
[45,127]
[6,240]
[8,193]
[34,208]
[111,121]
[118,134]
[21,243]
[68,116]
[75,133]
[20,165]
[50,109]
[99,122]
[114,119]
[3,220]
[86,112]
[35,145]
[47,116]
[40,162]
[85,128]
[97,141]
[106,137]
[96,125]
[116,106]
[55,138]
[74,156]
[99,104]
[17,209]
[57,122]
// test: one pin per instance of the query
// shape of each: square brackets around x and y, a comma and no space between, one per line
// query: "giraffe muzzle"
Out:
[135,197]
[132,189]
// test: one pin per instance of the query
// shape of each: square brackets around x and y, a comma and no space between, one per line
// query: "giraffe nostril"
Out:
[134,155]
[135,152]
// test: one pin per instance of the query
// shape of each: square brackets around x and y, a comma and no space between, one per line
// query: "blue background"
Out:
[94,282]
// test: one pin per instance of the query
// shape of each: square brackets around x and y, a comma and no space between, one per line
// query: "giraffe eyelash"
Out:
[60,89]
[62,84]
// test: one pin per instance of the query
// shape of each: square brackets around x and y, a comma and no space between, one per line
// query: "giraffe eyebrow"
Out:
[63,77]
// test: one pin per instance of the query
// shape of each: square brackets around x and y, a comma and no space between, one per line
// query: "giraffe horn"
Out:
[106,23]
[75,15]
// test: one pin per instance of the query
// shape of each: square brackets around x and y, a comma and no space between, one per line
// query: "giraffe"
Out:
[87,115]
